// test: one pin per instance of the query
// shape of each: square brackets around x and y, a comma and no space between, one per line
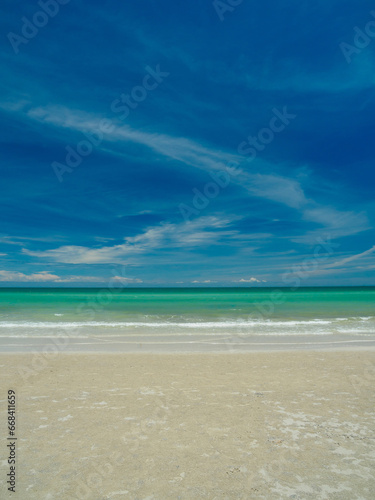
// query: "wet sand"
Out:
[262,425]
[152,343]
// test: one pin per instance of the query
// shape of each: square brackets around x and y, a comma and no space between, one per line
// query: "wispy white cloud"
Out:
[199,232]
[273,187]
[45,276]
[341,266]
[204,281]
[337,223]
[36,277]
[81,279]
[21,240]
[351,258]
[250,280]
[178,148]
[127,280]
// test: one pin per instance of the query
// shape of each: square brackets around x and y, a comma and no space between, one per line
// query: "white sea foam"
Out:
[224,323]
[185,329]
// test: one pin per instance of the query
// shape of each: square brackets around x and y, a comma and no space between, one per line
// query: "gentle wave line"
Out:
[163,324]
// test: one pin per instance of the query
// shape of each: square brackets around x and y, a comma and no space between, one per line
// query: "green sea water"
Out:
[250,311]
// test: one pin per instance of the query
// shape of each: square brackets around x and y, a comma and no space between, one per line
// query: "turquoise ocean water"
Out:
[36,312]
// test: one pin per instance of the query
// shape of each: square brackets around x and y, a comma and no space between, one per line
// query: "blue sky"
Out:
[187,143]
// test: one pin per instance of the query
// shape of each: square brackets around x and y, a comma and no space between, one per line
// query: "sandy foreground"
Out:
[272,425]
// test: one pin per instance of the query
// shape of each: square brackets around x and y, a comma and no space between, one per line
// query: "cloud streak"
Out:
[272,187]
[198,233]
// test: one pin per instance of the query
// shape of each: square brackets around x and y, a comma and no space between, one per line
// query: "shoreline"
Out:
[184,344]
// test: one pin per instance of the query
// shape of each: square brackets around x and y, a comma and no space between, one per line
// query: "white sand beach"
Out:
[262,425]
